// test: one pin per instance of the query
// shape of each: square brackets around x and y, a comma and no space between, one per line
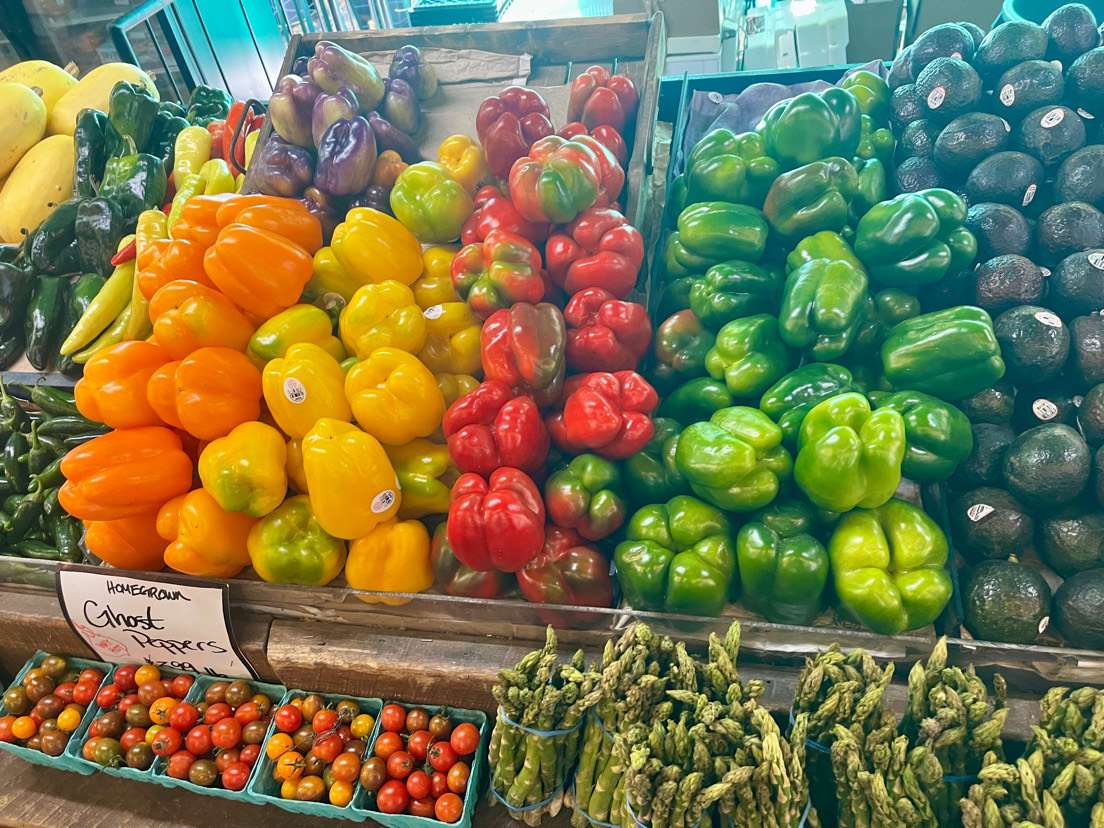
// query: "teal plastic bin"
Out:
[1036,11]
[365,802]
[65,761]
[264,788]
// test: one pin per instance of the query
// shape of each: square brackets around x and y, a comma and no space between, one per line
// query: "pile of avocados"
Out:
[1012,121]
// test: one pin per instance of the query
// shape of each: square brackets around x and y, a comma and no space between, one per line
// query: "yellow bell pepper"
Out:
[353,487]
[373,247]
[393,557]
[382,315]
[303,386]
[245,471]
[297,324]
[289,547]
[452,343]
[296,477]
[394,397]
[464,158]
[454,386]
[330,284]
[205,539]
[435,285]
[425,476]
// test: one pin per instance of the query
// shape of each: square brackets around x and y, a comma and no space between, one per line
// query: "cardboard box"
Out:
[684,18]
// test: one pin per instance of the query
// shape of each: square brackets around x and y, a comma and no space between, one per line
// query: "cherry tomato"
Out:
[108,753]
[111,724]
[465,739]
[438,785]
[235,777]
[128,702]
[131,737]
[254,733]
[226,733]
[264,704]
[324,721]
[167,742]
[303,738]
[329,748]
[238,692]
[64,691]
[310,789]
[159,711]
[341,793]
[92,676]
[147,672]
[458,776]
[417,784]
[179,764]
[362,726]
[417,719]
[392,798]
[203,772]
[290,765]
[393,719]
[346,767]
[312,765]
[250,754]
[85,692]
[181,685]
[217,712]
[6,734]
[247,713]
[400,764]
[198,740]
[49,706]
[418,744]
[440,726]
[138,715]
[347,710]
[442,756]
[151,691]
[449,808]
[288,718]
[226,758]
[279,743]
[345,734]
[311,705]
[387,743]
[355,747]
[54,742]
[124,678]
[166,687]
[109,696]
[183,717]
[36,716]
[288,788]
[139,757]
[24,727]
[421,807]
[373,773]
[89,749]
[152,731]
[216,692]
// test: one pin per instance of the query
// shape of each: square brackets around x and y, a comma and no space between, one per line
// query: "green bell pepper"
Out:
[431,203]
[678,556]
[783,575]
[849,456]
[736,460]
[733,290]
[915,238]
[822,245]
[586,497]
[677,198]
[208,104]
[792,397]
[889,567]
[679,350]
[695,401]
[135,181]
[166,126]
[749,356]
[287,546]
[675,297]
[648,477]
[788,517]
[812,198]
[727,167]
[822,308]
[812,126]
[674,254]
[937,435]
[871,188]
[883,310]
[99,228]
[90,140]
[876,142]
[715,231]
[871,93]
[131,110]
[951,353]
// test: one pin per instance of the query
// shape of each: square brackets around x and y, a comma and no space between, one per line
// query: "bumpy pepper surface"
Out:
[696,400]
[598,249]
[524,346]
[452,339]
[496,523]
[606,413]
[568,571]
[382,315]
[812,198]
[457,579]
[431,203]
[749,355]
[811,126]
[586,497]
[204,540]
[822,308]
[604,333]
[393,557]
[188,316]
[648,476]
[372,246]
[492,426]
[394,397]
[679,351]
[783,575]
[726,167]
[937,435]
[425,477]
[716,231]
[303,386]
[500,271]
[245,471]
[288,546]
[791,398]
[733,290]
[297,324]
[556,181]
[508,124]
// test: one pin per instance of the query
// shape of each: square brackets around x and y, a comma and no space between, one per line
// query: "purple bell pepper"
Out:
[346,157]
[333,67]
[408,65]
[390,137]
[290,109]
[330,108]
[400,106]
[282,169]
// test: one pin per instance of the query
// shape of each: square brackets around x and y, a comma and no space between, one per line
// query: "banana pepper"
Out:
[394,397]
[245,471]
[303,386]
[392,557]
[288,546]
[204,539]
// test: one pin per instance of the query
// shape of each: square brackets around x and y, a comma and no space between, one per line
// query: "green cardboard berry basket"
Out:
[74,751]
[264,788]
[65,760]
[275,692]
[365,802]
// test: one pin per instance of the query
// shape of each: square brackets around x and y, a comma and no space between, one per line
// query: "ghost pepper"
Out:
[606,413]
[523,346]
[494,274]
[491,427]
[605,334]
[496,523]
[598,249]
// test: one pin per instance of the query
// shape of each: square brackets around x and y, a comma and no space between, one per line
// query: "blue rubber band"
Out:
[805,816]
[587,816]
[952,780]
[498,796]
[543,733]
[632,813]
[598,719]
[811,743]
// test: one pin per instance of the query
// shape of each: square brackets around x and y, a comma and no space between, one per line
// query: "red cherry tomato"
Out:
[288,718]
[246,713]
[417,784]
[167,687]
[109,696]
[131,737]
[421,807]
[449,808]
[465,739]
[438,785]
[345,733]
[235,777]
[167,742]
[458,776]
[387,743]
[84,693]
[393,718]
[226,758]
[400,764]
[179,763]
[442,756]
[183,717]
[198,740]
[249,754]
[124,678]
[65,691]
[217,712]
[92,675]
[181,685]
[324,721]
[418,744]
[126,702]
[226,733]
[392,798]
[329,748]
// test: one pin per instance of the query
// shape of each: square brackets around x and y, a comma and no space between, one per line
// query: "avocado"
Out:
[991,405]
[1000,230]
[947,40]
[899,73]
[1008,44]
[1034,343]
[1071,30]
[976,32]
[1071,540]
[1065,229]
[1081,177]
[915,174]
[1005,601]
[947,88]
[904,107]
[983,466]
[1011,178]
[1051,133]
[989,523]
[1047,466]
[1077,284]
[1027,86]
[1050,402]
[948,292]
[1086,360]
[1085,83]
[1079,609]
[1090,416]
[1098,476]
[1006,281]
[968,140]
[918,140]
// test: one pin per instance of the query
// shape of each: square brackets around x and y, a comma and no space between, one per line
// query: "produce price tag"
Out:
[167,620]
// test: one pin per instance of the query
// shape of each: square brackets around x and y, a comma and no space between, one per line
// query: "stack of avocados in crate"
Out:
[1012,122]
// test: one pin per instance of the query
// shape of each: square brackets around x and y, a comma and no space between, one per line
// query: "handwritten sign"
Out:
[171,621]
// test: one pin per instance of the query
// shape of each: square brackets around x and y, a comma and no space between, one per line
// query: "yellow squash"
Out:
[40,181]
[22,123]
[94,91]
[52,80]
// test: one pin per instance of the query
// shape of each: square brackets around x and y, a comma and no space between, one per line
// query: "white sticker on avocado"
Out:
[1097,260]
[1057,64]
[1008,94]
[1007,126]
[1052,118]
[1088,116]
[978,511]
[715,97]
[936,97]
[1029,194]
[433,312]
[1048,318]
[1044,270]
[1078,400]
[956,55]
[382,502]
[1044,624]
[294,390]
[1044,409]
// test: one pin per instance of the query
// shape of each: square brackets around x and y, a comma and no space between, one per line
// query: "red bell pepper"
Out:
[568,571]
[496,524]
[491,427]
[606,134]
[557,180]
[599,249]
[523,347]
[612,180]
[608,414]
[495,211]
[494,274]
[508,124]
[604,333]
[459,580]
[599,98]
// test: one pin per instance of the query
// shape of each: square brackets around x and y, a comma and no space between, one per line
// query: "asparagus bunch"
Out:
[526,768]
[842,689]
[1014,795]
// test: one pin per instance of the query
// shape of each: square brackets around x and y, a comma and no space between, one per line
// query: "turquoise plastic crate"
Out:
[64,761]
[263,788]
[366,802]
[275,692]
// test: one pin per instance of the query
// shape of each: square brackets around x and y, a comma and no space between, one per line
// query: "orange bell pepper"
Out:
[216,390]
[124,473]
[261,272]
[286,217]
[169,260]
[188,316]
[227,212]
[127,543]
[113,389]
[161,394]
[204,236]
[204,539]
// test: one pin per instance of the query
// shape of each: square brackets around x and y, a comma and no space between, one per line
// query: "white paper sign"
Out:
[170,621]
